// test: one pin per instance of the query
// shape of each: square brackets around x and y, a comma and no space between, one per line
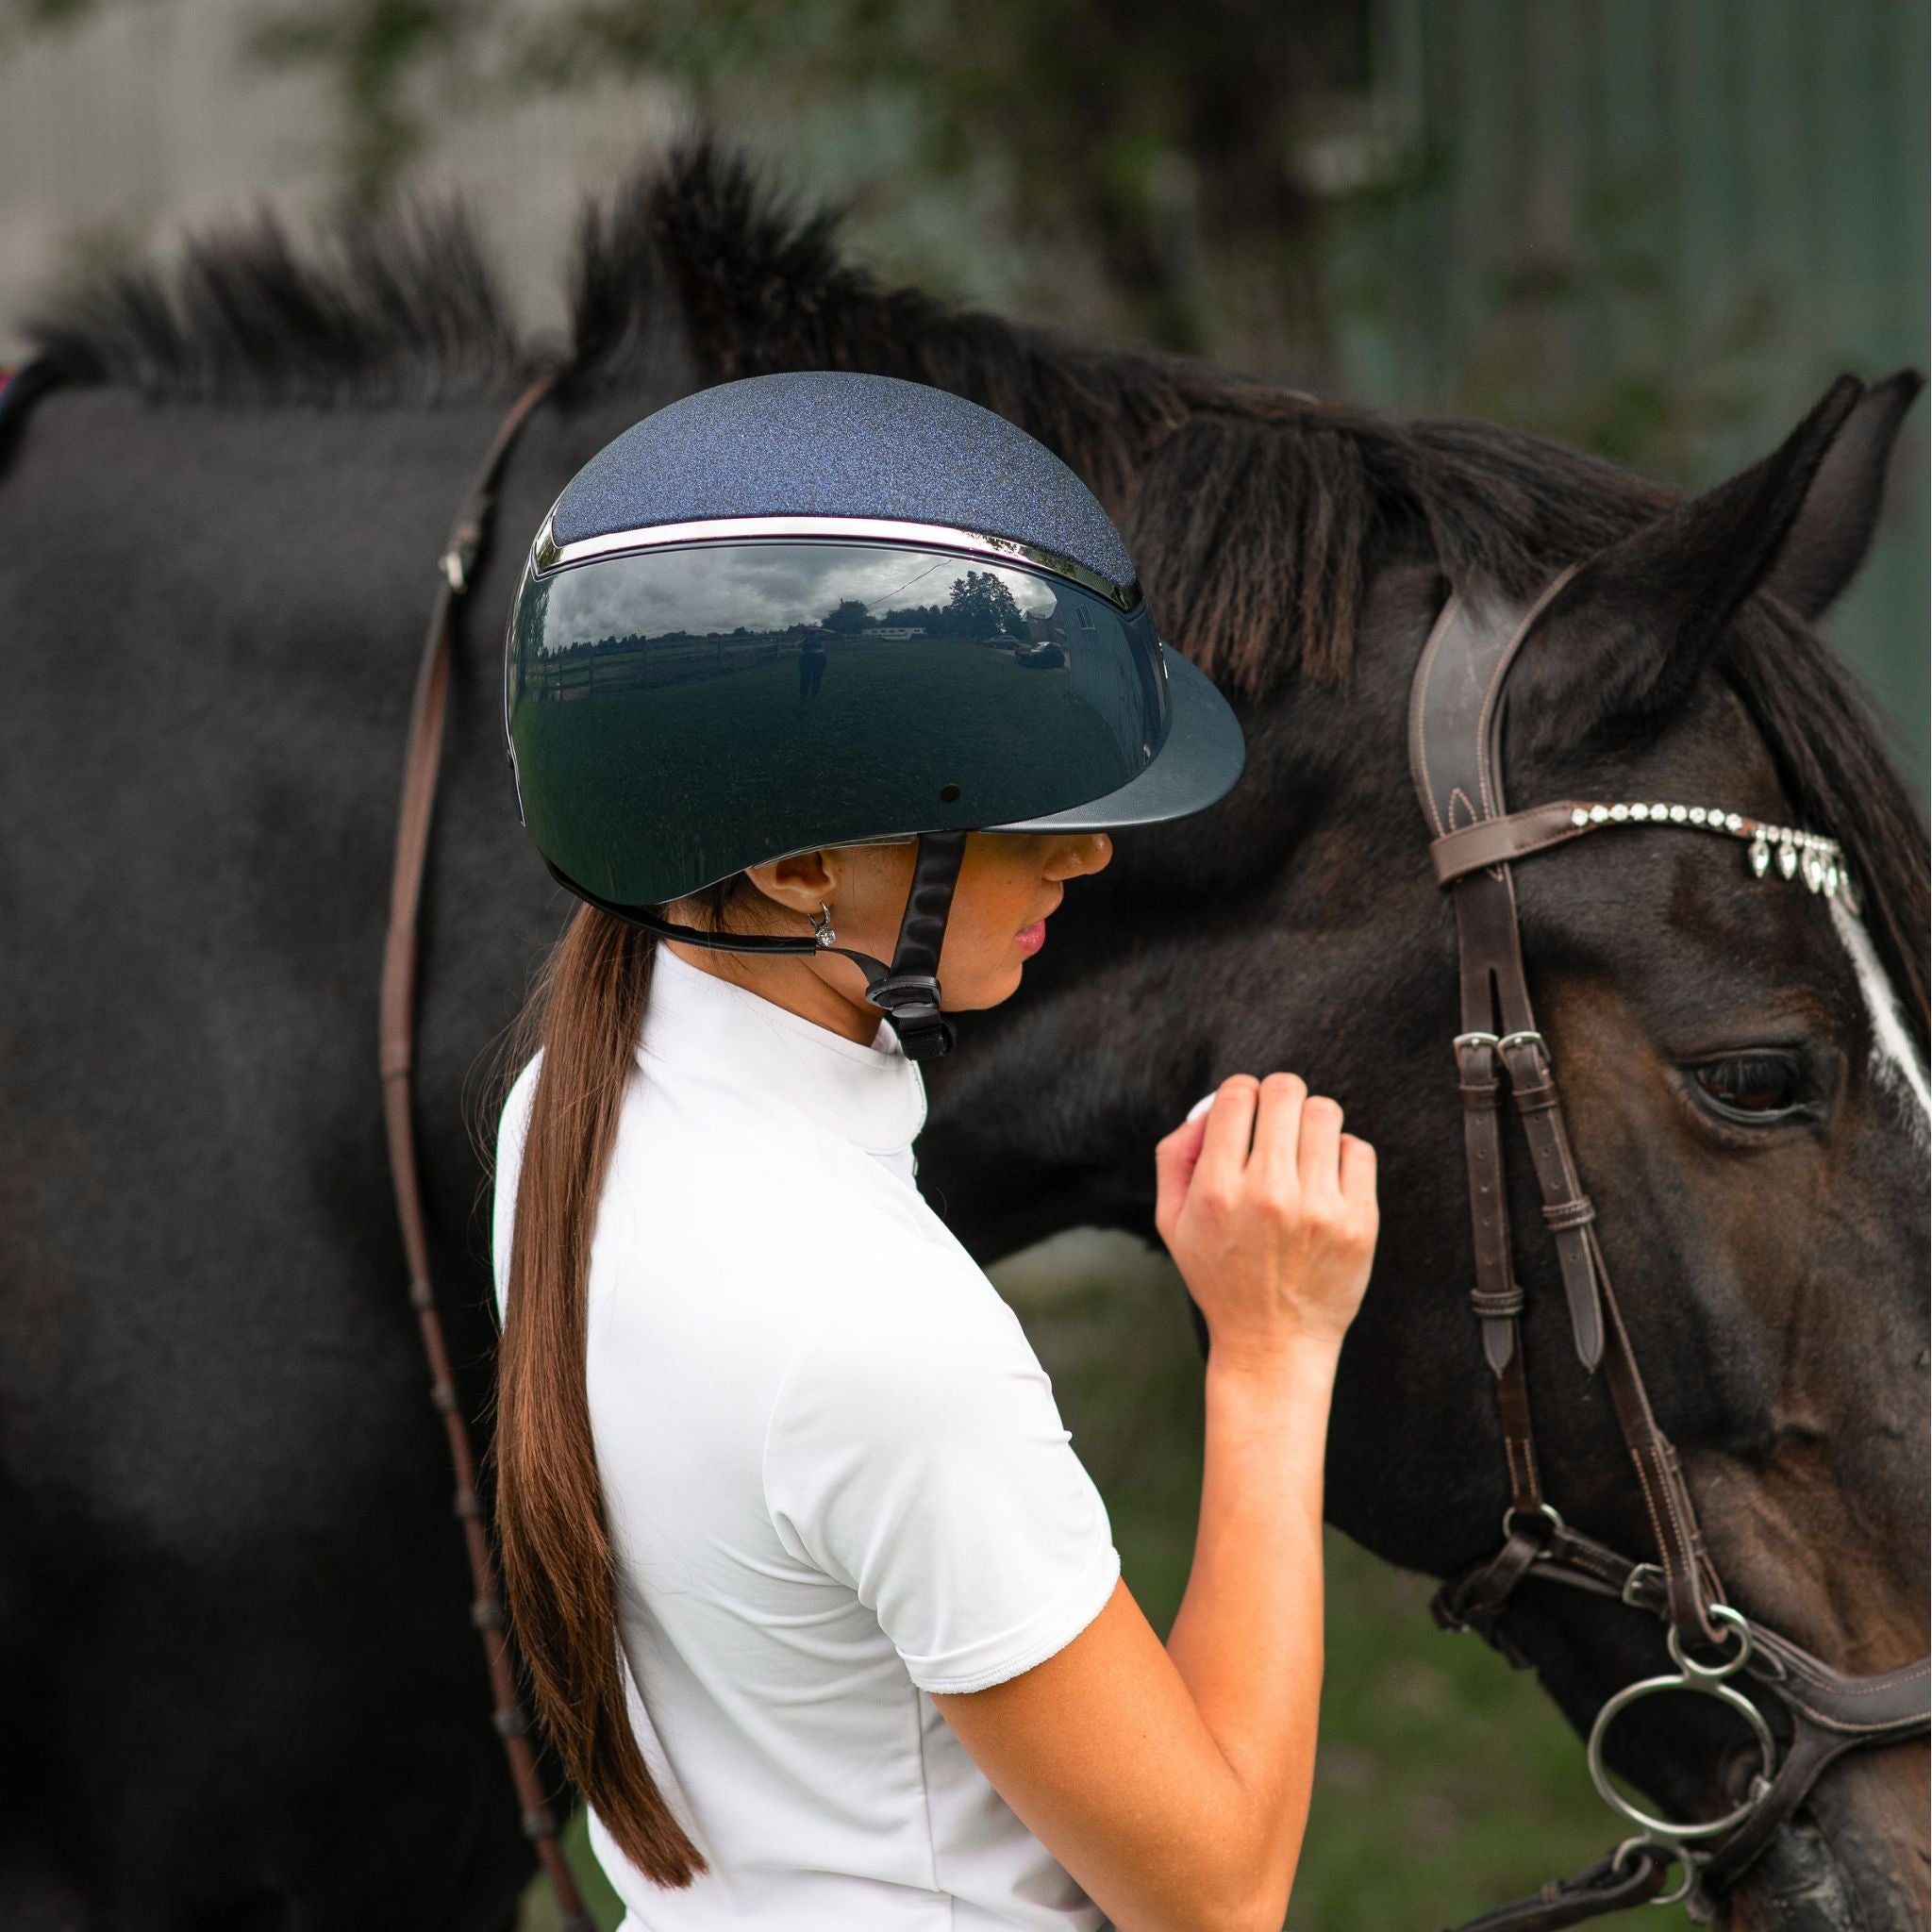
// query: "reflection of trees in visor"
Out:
[680,714]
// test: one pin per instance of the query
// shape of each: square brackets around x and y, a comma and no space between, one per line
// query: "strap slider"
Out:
[457,562]
[910,995]
[1569,1214]
[912,1002]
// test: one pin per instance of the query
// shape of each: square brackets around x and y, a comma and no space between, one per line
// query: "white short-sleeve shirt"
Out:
[835,1477]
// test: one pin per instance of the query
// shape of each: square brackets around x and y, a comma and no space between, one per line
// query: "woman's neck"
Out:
[789,981]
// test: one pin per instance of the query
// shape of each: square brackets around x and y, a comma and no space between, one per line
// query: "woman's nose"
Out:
[1090,851]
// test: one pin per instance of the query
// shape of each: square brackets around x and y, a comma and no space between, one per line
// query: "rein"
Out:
[456,569]
[1454,733]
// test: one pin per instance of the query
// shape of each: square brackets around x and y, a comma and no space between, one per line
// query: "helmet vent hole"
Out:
[949,794]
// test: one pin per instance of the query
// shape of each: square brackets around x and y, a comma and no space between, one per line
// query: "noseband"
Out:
[1454,740]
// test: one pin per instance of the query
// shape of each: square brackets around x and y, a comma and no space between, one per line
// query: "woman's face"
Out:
[1009,883]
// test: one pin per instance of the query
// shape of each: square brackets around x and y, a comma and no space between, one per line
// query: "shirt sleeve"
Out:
[915,1453]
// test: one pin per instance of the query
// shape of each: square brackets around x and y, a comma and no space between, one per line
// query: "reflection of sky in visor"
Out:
[764,586]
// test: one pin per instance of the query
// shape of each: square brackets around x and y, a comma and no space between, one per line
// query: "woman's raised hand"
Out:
[1173,1780]
[1269,1210]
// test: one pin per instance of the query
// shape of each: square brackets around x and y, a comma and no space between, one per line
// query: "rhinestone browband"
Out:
[1818,859]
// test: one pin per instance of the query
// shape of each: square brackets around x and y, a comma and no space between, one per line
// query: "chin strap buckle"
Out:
[910,1001]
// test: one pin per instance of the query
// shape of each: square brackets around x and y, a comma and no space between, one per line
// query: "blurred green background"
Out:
[1654,228]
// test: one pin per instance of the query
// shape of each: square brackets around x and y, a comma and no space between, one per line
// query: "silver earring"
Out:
[822,927]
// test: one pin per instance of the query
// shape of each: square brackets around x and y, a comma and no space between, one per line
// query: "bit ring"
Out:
[1701,1686]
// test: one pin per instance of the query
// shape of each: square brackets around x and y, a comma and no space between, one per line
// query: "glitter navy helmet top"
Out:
[825,609]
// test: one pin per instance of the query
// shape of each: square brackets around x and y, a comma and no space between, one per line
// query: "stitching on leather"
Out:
[1670,1502]
[1499,674]
[1597,1565]
[1457,796]
[1657,1527]
[1889,1681]
[1846,1724]
[1671,1494]
[1430,649]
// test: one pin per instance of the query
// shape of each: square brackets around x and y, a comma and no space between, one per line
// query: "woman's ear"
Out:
[801,883]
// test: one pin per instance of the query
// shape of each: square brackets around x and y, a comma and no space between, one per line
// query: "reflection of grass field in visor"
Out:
[748,758]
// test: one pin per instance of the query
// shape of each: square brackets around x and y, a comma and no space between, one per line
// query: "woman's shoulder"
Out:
[514,1117]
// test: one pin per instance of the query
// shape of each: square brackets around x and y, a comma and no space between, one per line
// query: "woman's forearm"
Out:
[1247,1640]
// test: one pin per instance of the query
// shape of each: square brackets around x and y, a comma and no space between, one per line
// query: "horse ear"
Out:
[1629,633]
[1833,531]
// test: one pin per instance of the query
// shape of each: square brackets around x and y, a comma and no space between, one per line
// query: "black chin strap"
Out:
[906,991]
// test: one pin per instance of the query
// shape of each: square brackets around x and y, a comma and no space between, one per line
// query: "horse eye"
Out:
[1757,1084]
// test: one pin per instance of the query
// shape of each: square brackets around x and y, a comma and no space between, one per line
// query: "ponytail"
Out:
[559,1568]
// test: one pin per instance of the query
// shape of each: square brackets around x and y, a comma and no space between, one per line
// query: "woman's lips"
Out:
[1030,940]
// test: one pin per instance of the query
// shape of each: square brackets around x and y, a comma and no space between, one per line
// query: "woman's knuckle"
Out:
[1211,1198]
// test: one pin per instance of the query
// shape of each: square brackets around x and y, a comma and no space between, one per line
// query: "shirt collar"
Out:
[873,1096]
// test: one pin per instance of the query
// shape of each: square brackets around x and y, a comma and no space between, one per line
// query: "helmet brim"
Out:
[1196,766]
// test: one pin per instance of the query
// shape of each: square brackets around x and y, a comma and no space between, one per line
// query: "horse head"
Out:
[1740,1058]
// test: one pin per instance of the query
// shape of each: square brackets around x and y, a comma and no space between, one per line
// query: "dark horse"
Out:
[240,1687]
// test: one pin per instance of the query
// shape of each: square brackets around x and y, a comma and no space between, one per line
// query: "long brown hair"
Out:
[559,1568]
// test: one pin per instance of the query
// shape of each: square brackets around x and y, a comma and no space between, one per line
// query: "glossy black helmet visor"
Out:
[680,711]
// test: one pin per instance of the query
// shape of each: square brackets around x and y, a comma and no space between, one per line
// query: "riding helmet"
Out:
[830,609]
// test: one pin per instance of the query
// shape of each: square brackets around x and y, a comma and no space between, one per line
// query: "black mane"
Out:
[1261,512]
[399,308]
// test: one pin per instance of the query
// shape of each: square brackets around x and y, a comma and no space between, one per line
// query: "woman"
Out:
[819,1608]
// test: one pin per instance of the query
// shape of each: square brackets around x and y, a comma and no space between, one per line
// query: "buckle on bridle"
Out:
[1640,1575]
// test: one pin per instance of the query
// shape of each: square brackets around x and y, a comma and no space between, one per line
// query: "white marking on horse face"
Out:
[1895,1065]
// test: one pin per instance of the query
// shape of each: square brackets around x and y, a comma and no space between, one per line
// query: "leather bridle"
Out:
[1455,731]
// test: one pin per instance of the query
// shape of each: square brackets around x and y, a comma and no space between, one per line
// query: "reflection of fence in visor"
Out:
[895,689]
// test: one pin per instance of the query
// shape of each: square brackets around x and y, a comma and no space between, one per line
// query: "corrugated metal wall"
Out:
[1659,227]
